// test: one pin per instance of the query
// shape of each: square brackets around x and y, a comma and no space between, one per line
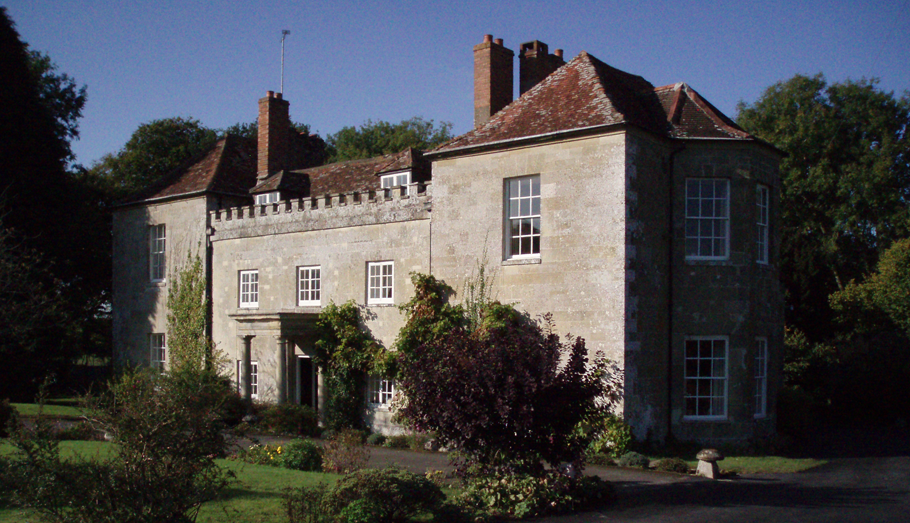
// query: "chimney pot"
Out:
[498,41]
[487,39]
[270,94]
[558,53]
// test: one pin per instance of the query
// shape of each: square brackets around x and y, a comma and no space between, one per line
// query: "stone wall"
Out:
[737,298]
[580,274]
[139,305]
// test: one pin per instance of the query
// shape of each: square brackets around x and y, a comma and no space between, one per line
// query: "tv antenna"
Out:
[284,34]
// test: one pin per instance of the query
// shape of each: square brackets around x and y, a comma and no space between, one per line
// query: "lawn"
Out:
[765,464]
[254,497]
[53,410]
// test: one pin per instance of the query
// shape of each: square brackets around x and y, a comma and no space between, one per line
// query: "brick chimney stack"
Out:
[493,78]
[535,64]
[274,135]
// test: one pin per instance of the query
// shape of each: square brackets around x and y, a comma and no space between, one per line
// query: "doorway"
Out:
[306,382]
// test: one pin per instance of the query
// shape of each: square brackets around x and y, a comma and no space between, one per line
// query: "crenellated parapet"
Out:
[331,211]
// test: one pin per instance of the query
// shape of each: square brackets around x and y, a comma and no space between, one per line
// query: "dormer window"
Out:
[267,198]
[397,180]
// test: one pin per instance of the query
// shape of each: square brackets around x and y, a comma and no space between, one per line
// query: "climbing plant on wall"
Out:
[189,346]
[347,352]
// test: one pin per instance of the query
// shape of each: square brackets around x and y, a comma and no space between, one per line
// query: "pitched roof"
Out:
[228,167]
[352,175]
[587,93]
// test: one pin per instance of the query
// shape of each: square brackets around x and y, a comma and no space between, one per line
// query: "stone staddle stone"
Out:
[707,463]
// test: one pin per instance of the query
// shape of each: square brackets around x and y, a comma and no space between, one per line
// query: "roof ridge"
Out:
[714,114]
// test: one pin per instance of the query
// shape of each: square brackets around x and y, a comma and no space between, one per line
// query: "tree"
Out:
[508,393]
[60,95]
[155,149]
[884,294]
[375,139]
[50,210]
[845,184]
[306,150]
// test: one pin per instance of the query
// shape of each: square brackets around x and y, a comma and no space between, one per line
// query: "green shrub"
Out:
[376,440]
[302,454]
[672,465]
[600,459]
[418,441]
[167,435]
[288,418]
[6,414]
[79,431]
[307,505]
[391,494]
[398,441]
[633,460]
[612,436]
[345,452]
[524,495]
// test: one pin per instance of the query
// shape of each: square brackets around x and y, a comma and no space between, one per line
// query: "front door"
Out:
[306,382]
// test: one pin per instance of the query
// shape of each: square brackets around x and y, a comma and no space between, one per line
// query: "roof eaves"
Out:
[545,137]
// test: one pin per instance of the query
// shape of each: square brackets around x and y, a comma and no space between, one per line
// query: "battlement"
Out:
[332,211]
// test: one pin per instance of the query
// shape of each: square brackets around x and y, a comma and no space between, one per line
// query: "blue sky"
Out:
[346,62]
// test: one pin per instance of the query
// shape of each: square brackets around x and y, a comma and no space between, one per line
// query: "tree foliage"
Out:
[54,213]
[155,149]
[61,96]
[378,138]
[33,320]
[845,184]
[507,393]
[885,293]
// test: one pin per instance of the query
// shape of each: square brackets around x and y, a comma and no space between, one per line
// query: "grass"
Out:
[765,464]
[62,410]
[254,497]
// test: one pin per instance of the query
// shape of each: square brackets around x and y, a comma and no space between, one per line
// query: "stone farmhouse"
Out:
[641,217]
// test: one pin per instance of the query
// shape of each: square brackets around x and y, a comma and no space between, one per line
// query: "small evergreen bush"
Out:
[633,460]
[302,454]
[7,412]
[307,504]
[391,494]
[345,452]
[525,495]
[673,465]
[612,437]
[398,441]
[376,440]
[288,418]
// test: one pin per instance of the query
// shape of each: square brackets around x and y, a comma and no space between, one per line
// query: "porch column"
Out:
[282,369]
[246,386]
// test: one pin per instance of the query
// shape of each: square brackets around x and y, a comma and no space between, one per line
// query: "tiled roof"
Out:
[587,93]
[228,167]
[352,175]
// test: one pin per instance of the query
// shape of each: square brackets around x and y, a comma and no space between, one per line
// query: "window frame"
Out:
[158,351]
[157,248]
[762,223]
[381,279]
[301,302]
[248,299]
[514,214]
[254,378]
[380,391]
[698,220]
[761,377]
[394,180]
[267,198]
[712,395]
